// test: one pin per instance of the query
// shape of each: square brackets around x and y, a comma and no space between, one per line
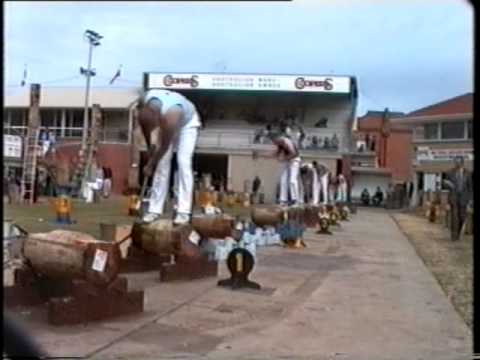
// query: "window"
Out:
[430,131]
[18,117]
[453,130]
[469,129]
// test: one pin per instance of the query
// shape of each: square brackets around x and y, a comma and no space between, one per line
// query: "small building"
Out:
[389,144]
[441,132]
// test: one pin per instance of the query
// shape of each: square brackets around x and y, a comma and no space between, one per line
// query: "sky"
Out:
[405,54]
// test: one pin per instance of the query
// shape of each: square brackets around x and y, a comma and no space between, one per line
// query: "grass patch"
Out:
[451,262]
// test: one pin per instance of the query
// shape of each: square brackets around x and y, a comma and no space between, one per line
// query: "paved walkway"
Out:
[361,294]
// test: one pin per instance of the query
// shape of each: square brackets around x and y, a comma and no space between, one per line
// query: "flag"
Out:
[117,75]
[24,80]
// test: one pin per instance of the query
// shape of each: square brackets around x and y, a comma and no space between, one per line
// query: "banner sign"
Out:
[12,146]
[424,153]
[296,83]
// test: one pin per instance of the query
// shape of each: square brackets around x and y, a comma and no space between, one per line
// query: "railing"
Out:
[108,135]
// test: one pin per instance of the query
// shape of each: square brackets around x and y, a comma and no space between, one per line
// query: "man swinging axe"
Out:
[176,121]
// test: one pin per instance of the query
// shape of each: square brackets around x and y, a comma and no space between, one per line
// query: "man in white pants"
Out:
[177,120]
[341,189]
[321,185]
[288,154]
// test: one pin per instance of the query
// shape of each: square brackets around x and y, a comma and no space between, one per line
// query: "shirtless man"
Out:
[177,121]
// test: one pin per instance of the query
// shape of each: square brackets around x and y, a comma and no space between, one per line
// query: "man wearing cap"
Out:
[459,182]
[176,120]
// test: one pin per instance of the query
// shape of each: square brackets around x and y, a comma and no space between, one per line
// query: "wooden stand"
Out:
[73,301]
[324,225]
[182,268]
[240,262]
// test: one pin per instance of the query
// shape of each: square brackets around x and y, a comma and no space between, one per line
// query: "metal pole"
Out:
[87,95]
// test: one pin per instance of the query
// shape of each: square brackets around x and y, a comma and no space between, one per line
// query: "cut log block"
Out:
[63,254]
[213,226]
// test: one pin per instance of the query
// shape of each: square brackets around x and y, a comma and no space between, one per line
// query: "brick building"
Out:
[440,132]
[389,145]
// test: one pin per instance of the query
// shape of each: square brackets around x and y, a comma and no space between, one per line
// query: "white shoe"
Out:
[181,219]
[150,217]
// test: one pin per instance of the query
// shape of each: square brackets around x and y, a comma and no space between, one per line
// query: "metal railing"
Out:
[105,135]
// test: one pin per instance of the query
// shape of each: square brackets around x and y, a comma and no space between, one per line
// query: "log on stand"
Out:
[156,244]
[270,216]
[213,226]
[76,276]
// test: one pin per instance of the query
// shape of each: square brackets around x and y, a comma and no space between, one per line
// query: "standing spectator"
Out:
[332,188]
[107,182]
[314,142]
[459,182]
[367,142]
[52,138]
[256,185]
[342,189]
[373,143]
[45,141]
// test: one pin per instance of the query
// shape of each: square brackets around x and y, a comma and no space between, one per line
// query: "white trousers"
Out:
[301,191]
[289,180]
[315,188]
[324,188]
[184,144]
[342,192]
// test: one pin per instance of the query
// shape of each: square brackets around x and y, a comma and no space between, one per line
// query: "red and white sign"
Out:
[297,83]
[424,153]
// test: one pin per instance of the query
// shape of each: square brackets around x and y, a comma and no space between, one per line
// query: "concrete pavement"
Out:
[361,293]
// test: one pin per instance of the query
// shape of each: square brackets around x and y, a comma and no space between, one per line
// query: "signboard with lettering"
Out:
[12,146]
[424,153]
[297,83]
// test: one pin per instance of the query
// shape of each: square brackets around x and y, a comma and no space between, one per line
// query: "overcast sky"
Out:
[405,54]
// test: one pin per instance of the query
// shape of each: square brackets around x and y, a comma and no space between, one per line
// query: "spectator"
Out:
[44,141]
[373,143]
[322,123]
[342,189]
[332,188]
[256,185]
[334,142]
[367,141]
[52,138]
[314,142]
[326,143]
[378,197]
[365,197]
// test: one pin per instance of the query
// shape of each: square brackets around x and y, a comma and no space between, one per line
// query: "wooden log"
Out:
[160,237]
[73,255]
[213,226]
[271,216]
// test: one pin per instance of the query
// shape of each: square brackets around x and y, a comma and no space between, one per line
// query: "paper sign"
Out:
[100,260]
[194,237]
[210,210]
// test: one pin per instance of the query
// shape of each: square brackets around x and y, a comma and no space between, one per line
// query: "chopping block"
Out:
[72,301]
[167,248]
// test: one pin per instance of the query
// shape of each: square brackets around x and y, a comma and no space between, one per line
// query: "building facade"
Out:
[235,108]
[441,132]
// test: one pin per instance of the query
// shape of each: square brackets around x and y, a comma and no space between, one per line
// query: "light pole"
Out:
[94,40]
